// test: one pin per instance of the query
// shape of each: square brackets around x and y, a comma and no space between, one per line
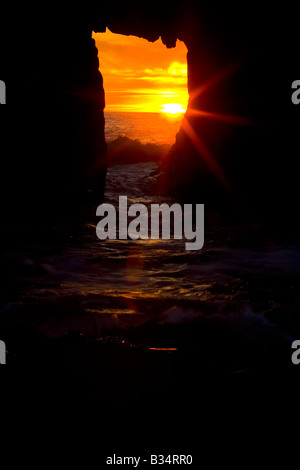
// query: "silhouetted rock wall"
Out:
[54,139]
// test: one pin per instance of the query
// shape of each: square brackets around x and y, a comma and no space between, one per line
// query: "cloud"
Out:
[128,62]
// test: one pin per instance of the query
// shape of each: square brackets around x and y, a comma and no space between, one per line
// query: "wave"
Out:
[126,150]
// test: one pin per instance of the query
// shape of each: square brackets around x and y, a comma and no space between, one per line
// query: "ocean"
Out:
[161,127]
[220,305]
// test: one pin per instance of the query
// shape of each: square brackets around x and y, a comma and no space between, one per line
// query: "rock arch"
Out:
[238,60]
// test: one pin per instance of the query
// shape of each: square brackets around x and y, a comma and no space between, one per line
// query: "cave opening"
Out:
[146,95]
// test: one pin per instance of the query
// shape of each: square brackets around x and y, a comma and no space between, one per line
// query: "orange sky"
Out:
[142,76]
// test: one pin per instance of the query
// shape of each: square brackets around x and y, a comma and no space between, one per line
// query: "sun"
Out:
[172,108]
